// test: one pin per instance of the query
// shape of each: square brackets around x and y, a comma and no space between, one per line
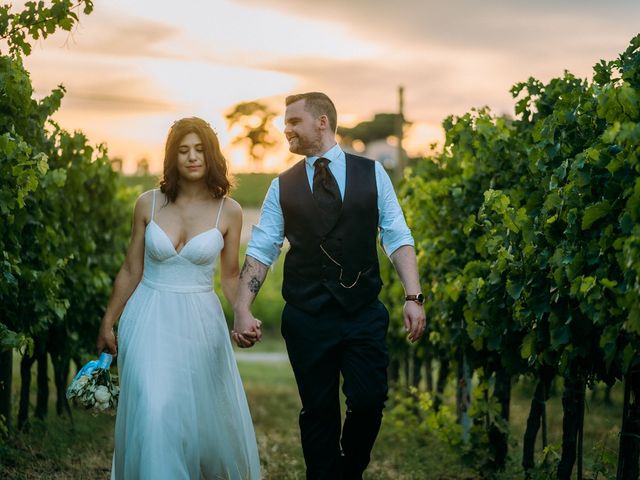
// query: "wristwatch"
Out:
[419,298]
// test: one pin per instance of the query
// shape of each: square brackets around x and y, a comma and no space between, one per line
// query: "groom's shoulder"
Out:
[351,157]
[292,169]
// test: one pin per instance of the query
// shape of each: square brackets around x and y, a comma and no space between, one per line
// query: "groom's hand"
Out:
[247,338]
[246,329]
[414,320]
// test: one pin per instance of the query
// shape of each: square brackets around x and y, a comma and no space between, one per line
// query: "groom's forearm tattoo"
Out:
[245,268]
[254,285]
[253,272]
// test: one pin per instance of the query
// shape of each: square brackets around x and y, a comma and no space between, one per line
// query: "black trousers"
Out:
[321,347]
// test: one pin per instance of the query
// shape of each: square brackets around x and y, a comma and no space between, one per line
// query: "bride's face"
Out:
[191,163]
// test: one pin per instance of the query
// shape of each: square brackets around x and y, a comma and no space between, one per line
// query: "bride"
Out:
[182,412]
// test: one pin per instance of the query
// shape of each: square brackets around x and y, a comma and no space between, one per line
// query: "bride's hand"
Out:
[107,341]
[246,330]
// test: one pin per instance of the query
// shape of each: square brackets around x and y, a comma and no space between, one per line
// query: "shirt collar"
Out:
[334,154]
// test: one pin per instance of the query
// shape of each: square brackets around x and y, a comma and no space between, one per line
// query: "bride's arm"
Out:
[128,277]
[229,262]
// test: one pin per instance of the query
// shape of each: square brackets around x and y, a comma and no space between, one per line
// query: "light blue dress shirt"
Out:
[268,235]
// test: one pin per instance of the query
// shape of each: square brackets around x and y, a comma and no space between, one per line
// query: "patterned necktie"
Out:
[326,191]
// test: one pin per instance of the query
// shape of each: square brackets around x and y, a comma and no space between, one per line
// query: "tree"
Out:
[257,129]
[528,240]
[374,134]
[382,126]
[23,162]
[142,166]
[64,220]
[38,21]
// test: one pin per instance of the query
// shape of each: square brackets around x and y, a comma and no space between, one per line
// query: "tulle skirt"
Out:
[182,412]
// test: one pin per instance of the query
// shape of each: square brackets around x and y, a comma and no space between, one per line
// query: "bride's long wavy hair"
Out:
[217,177]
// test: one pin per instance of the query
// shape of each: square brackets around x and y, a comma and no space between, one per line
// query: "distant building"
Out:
[116,164]
[142,167]
[379,150]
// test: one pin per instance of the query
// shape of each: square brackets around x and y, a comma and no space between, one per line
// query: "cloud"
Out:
[96,84]
[504,25]
[127,37]
[99,63]
[124,104]
[455,55]
[538,39]
[360,86]
[434,86]
[108,32]
[131,67]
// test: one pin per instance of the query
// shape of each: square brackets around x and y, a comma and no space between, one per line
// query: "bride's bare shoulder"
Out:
[232,205]
[232,211]
[144,203]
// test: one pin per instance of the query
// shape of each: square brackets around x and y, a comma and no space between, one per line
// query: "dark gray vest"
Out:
[326,261]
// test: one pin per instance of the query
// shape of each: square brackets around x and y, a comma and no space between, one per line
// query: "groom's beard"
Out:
[305,145]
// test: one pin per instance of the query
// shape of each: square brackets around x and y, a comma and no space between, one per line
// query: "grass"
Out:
[601,426]
[59,448]
[275,406]
[274,403]
[272,342]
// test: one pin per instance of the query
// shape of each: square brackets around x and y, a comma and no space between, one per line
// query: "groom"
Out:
[330,206]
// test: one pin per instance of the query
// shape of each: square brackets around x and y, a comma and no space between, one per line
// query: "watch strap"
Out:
[419,298]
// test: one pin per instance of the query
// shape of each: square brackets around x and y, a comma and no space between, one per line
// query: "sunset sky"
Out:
[133,67]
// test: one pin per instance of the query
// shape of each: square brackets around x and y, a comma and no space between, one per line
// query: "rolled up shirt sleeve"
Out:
[394,232]
[268,235]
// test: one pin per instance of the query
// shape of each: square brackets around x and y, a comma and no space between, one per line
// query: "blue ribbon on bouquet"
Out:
[104,361]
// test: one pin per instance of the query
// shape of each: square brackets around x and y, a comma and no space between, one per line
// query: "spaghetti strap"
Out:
[219,212]
[153,204]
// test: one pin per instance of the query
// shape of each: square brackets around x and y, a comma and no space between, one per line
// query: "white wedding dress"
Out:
[182,412]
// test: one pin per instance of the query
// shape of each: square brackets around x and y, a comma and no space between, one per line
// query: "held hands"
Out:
[414,320]
[246,330]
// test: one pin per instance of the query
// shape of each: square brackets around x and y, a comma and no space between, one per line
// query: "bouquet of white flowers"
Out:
[94,388]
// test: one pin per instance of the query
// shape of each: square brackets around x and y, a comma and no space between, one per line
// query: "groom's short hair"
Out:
[317,103]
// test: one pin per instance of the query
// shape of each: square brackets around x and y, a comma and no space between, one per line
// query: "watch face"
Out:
[419,298]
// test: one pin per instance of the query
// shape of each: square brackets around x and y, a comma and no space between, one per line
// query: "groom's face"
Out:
[302,130]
